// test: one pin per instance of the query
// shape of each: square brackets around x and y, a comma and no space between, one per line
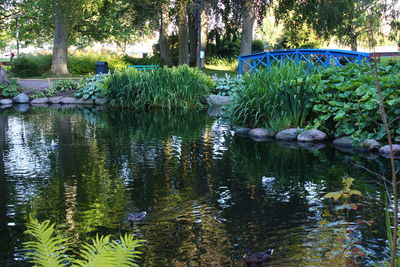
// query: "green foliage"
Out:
[91,88]
[345,102]
[65,85]
[49,250]
[180,87]
[30,66]
[10,90]
[257,46]
[277,98]
[38,94]
[46,249]
[229,85]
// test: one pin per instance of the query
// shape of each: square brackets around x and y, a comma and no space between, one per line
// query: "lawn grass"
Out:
[220,71]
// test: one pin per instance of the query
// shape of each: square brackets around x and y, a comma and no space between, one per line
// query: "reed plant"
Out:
[276,98]
[179,87]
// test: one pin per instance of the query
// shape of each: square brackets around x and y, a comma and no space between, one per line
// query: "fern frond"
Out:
[125,252]
[47,249]
[96,255]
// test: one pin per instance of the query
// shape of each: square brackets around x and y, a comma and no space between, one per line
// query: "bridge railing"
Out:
[313,58]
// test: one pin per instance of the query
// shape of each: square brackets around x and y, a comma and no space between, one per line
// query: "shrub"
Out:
[257,46]
[228,86]
[91,88]
[179,87]
[30,66]
[276,98]
[346,103]
[11,89]
[63,85]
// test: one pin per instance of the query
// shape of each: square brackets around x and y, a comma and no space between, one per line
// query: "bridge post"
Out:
[297,56]
[240,68]
[327,59]
[268,61]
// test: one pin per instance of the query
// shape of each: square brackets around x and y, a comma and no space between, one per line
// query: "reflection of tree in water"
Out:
[200,185]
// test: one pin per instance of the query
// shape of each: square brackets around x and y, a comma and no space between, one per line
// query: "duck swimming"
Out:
[136,217]
[258,257]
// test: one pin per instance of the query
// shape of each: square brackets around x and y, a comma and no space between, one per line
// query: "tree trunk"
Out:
[193,37]
[165,52]
[183,33]
[3,76]
[204,32]
[248,20]
[60,48]
[353,39]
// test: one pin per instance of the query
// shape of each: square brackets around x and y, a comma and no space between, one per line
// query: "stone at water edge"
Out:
[21,99]
[40,101]
[288,134]
[370,145]
[385,151]
[313,135]
[55,99]
[6,102]
[261,133]
[68,100]
[82,101]
[242,131]
[344,141]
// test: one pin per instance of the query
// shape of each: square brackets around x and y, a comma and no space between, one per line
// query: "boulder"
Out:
[21,107]
[55,99]
[6,101]
[242,131]
[385,151]
[218,100]
[68,100]
[21,99]
[100,101]
[313,135]
[43,100]
[370,145]
[82,101]
[261,133]
[288,134]
[344,141]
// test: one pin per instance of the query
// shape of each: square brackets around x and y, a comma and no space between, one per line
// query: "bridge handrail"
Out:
[300,54]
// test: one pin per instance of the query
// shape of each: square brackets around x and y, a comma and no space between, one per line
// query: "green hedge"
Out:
[79,63]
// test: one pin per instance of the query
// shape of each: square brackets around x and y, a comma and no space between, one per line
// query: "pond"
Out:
[86,169]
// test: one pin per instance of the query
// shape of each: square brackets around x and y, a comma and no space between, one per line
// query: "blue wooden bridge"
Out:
[313,58]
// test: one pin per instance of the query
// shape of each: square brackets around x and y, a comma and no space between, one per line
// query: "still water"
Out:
[86,169]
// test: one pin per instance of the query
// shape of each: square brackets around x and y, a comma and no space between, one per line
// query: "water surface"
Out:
[86,169]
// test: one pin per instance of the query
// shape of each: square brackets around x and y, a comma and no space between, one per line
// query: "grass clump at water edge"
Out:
[178,87]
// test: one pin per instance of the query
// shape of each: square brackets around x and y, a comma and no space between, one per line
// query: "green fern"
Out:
[47,249]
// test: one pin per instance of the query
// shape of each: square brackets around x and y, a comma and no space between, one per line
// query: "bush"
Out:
[63,85]
[91,88]
[346,103]
[228,86]
[257,46]
[10,90]
[276,98]
[178,87]
[30,66]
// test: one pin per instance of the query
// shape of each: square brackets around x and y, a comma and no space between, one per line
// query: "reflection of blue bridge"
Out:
[313,58]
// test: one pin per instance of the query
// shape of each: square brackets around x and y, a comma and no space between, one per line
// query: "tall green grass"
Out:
[179,87]
[277,98]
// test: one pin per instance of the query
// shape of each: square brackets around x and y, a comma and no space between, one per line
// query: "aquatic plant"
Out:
[50,250]
[346,101]
[178,87]
[270,97]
